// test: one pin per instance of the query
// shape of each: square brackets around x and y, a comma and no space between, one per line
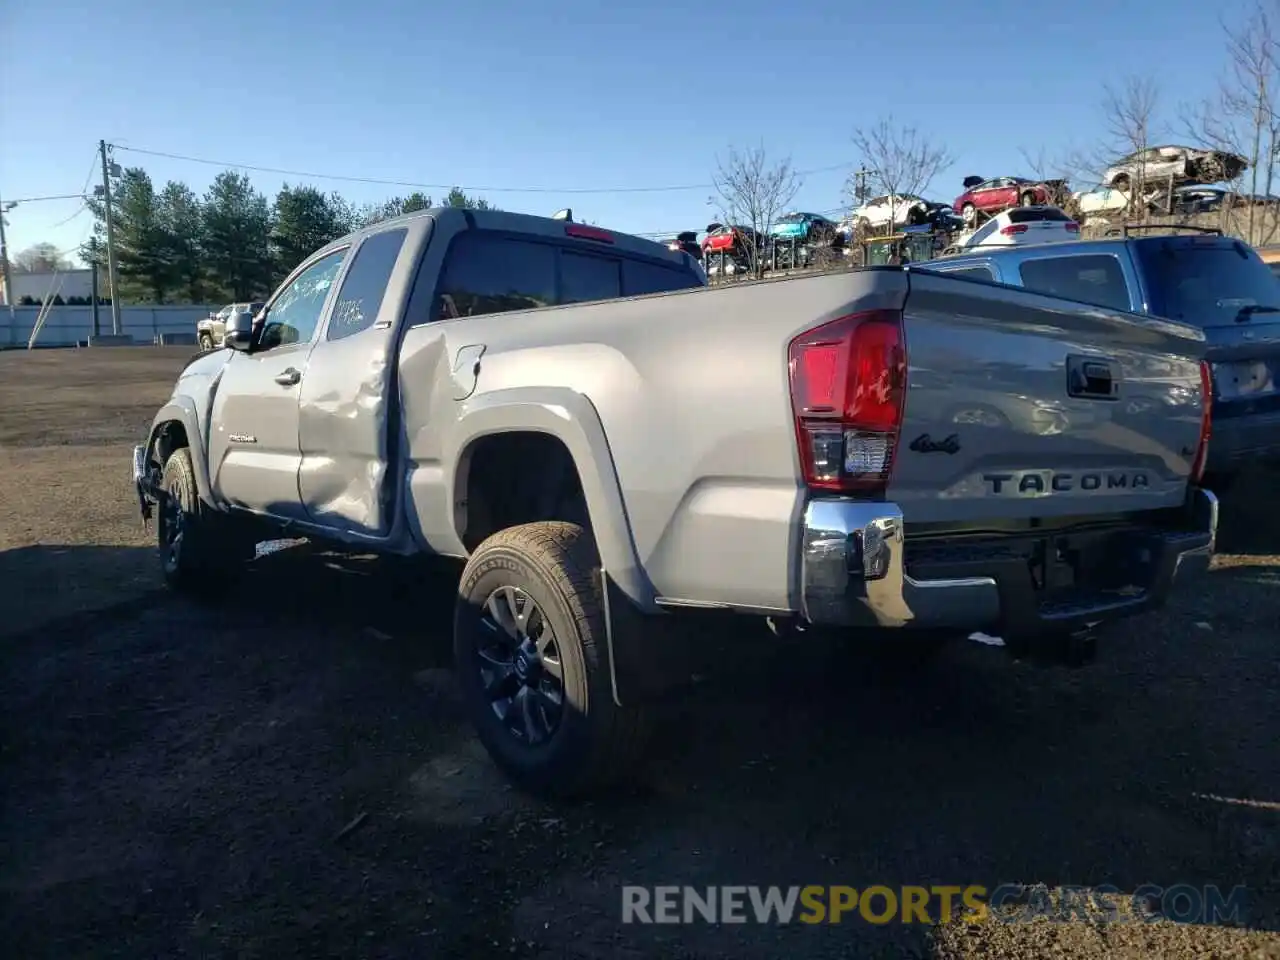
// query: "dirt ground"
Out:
[177,779]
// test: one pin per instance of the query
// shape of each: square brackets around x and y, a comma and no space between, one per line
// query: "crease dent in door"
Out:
[346,487]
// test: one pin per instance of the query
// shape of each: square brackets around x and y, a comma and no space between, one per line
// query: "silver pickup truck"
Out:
[617,453]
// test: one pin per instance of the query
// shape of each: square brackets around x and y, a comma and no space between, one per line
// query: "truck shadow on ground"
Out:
[226,745]
[1249,517]
[44,585]
[795,759]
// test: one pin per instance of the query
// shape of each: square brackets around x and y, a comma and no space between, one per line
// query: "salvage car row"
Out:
[905,453]
[1170,179]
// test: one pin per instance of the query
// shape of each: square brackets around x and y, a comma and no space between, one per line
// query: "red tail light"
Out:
[1206,423]
[848,385]
[1013,228]
[1072,226]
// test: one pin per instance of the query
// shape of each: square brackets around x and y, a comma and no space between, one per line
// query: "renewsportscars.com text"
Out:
[880,904]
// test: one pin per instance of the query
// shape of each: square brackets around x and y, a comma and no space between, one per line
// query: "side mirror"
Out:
[239,332]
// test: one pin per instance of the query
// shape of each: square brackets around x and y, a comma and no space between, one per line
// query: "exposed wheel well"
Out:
[170,437]
[506,479]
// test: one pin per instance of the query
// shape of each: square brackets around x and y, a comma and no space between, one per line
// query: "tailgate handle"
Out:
[1093,378]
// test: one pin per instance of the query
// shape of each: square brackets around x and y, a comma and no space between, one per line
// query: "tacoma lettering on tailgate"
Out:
[1036,482]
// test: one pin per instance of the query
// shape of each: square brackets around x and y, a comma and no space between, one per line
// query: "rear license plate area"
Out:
[1243,379]
[1110,560]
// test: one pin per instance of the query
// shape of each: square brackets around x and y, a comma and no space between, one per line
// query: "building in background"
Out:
[64,283]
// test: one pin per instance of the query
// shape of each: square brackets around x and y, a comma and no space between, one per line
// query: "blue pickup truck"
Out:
[1217,283]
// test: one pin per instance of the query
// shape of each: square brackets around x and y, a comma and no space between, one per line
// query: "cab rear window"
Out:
[1204,282]
[1092,278]
[488,272]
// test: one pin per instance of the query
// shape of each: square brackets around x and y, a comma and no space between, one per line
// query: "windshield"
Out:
[792,218]
[1207,284]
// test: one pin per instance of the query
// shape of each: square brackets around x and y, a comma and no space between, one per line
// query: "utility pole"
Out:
[860,184]
[93,278]
[111,243]
[4,260]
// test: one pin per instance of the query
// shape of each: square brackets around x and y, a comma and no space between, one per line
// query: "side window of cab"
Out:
[365,286]
[295,312]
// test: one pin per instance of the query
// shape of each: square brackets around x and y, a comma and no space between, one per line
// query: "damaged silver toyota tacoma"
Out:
[617,453]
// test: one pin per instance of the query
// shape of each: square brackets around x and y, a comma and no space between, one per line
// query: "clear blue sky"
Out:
[560,94]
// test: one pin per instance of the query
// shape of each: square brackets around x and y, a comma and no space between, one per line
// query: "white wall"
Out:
[66,326]
[65,283]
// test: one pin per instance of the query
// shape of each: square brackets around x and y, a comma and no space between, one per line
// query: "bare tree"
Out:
[1130,117]
[897,161]
[41,258]
[1242,117]
[753,191]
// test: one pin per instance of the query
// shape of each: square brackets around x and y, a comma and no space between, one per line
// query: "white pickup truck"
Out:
[609,448]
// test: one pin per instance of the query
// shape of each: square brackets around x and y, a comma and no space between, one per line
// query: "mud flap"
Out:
[144,507]
[650,657]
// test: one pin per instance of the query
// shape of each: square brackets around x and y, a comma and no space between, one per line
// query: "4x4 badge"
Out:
[926,444]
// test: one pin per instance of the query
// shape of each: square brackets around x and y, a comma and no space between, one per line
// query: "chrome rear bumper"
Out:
[853,573]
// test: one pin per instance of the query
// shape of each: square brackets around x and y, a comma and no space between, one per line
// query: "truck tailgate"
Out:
[1023,407]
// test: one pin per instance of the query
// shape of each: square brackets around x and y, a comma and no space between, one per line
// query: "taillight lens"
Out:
[1206,423]
[848,386]
[1072,227]
[1013,228]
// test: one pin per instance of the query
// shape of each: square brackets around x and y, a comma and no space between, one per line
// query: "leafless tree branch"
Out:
[753,191]
[1131,124]
[899,160]
[1243,114]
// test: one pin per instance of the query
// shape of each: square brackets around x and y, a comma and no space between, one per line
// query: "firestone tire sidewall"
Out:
[557,767]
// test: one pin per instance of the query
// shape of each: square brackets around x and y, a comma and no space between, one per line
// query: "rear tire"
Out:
[199,555]
[969,213]
[1028,199]
[206,341]
[530,650]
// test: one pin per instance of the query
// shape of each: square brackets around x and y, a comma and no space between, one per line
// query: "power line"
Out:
[93,165]
[60,196]
[65,221]
[445,186]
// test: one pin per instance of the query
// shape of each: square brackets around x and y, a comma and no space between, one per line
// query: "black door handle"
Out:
[288,377]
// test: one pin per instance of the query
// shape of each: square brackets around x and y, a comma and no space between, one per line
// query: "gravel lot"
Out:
[177,778]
